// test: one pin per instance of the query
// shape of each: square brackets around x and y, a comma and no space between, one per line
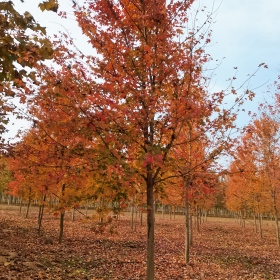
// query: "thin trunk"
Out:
[61,225]
[132,214]
[255,223]
[162,210]
[28,207]
[187,228]
[260,225]
[73,214]
[191,229]
[39,218]
[20,206]
[41,212]
[150,224]
[136,216]
[197,219]
[141,217]
[61,222]
[276,223]
[101,206]
[86,209]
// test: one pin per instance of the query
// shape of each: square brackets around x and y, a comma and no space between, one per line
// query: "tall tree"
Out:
[149,77]
[137,92]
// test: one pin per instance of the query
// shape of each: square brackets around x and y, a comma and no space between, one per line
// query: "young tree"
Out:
[137,92]
[265,134]
[43,167]
[254,177]
[5,174]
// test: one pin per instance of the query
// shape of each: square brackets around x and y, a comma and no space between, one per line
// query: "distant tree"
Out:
[5,173]
[253,181]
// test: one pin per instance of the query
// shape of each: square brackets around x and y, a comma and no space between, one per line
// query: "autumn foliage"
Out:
[135,123]
[253,178]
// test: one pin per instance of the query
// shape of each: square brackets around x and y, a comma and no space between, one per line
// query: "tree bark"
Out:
[255,223]
[150,224]
[132,214]
[86,207]
[73,214]
[260,225]
[28,207]
[191,229]
[276,222]
[41,212]
[141,217]
[20,206]
[187,228]
[197,219]
[61,225]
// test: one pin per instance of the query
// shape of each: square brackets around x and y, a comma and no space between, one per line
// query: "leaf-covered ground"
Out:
[222,250]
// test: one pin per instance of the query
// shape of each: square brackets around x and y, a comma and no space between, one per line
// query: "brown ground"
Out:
[222,250]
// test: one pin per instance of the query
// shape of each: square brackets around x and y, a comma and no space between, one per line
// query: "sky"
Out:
[245,33]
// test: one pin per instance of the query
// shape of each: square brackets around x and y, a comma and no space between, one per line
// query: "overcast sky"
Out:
[245,34]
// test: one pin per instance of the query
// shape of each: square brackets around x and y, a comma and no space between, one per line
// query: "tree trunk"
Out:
[191,229]
[28,207]
[101,205]
[260,225]
[40,216]
[276,222]
[61,225]
[132,214]
[150,224]
[255,223]
[20,206]
[187,229]
[73,214]
[41,212]
[62,214]
[197,219]
[86,209]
